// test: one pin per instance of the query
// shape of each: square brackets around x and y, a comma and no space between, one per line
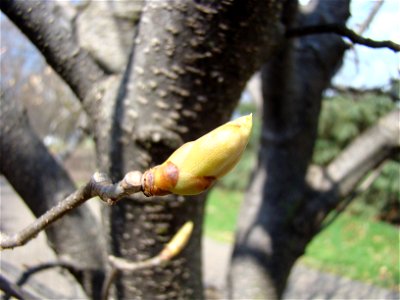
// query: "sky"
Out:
[366,67]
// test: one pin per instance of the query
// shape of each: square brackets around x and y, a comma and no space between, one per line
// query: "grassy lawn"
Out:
[351,246]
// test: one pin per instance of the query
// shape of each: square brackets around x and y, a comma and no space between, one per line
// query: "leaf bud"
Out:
[196,165]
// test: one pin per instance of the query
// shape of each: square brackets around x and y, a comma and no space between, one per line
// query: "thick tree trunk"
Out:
[268,242]
[189,65]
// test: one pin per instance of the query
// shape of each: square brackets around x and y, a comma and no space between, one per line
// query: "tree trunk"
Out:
[267,241]
[190,63]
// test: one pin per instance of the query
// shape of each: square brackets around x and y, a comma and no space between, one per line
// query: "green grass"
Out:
[351,246]
[221,213]
[359,249]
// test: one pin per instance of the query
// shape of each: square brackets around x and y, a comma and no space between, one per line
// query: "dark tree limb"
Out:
[363,187]
[192,60]
[45,266]
[42,182]
[341,30]
[51,32]
[293,82]
[99,185]
[14,290]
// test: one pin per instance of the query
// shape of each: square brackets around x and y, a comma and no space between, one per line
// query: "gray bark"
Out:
[184,78]
[267,241]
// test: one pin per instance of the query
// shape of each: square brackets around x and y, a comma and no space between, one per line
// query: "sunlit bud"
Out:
[195,166]
[178,242]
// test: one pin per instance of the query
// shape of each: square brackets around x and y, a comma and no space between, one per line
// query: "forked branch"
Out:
[343,31]
[99,185]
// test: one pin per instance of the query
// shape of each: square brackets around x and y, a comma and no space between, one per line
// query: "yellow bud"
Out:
[178,242]
[195,166]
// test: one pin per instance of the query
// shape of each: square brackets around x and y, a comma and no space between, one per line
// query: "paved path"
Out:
[304,283]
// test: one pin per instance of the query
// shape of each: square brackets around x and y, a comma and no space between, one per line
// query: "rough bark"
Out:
[267,242]
[41,181]
[189,65]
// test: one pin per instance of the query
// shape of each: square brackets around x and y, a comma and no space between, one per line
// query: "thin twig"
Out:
[99,185]
[42,267]
[107,283]
[392,92]
[364,186]
[14,290]
[343,31]
[370,17]
[24,277]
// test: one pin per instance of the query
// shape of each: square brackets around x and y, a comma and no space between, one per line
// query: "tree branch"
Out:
[343,31]
[45,266]
[342,176]
[364,26]
[368,150]
[364,186]
[14,290]
[393,93]
[51,32]
[42,182]
[99,185]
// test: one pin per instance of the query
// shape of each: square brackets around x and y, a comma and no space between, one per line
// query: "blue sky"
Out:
[367,67]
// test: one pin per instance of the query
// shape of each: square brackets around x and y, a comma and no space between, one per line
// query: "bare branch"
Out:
[14,290]
[393,93]
[56,42]
[364,186]
[341,177]
[371,16]
[45,266]
[99,185]
[343,31]
[367,151]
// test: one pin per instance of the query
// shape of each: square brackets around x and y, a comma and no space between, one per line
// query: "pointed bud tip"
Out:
[245,122]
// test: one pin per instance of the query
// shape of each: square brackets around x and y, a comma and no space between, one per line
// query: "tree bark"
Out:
[189,65]
[267,242]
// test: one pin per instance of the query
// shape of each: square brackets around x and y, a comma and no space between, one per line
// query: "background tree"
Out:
[148,75]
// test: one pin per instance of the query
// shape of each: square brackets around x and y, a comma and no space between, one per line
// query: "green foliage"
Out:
[221,213]
[382,200]
[343,119]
